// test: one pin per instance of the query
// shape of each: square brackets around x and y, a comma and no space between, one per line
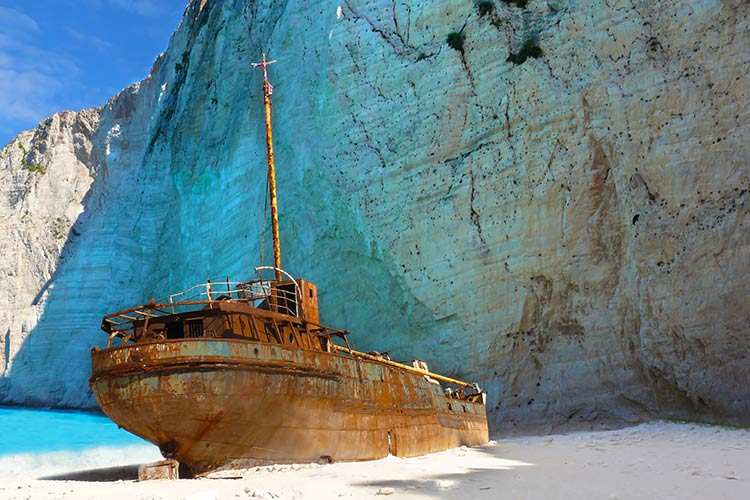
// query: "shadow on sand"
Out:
[103,475]
[471,482]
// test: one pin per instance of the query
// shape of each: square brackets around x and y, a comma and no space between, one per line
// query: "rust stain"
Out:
[241,381]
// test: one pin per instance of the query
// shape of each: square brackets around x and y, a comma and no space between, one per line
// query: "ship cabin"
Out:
[270,311]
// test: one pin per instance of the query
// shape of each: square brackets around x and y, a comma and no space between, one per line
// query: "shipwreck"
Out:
[231,374]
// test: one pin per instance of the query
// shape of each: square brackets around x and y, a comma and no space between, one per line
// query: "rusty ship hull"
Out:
[226,403]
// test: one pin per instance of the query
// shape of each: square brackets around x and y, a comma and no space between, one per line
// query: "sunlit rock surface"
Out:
[570,230]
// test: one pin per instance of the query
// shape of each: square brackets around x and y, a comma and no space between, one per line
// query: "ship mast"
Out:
[267,91]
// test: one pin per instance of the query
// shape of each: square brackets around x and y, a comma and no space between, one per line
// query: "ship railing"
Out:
[478,395]
[419,371]
[255,292]
[259,293]
[330,334]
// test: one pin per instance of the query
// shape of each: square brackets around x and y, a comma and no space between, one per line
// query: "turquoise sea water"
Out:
[26,430]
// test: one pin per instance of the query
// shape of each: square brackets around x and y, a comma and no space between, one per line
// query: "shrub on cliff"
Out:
[518,3]
[485,8]
[37,168]
[456,41]
[530,48]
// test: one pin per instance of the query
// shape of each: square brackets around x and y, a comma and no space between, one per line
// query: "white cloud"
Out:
[26,95]
[90,41]
[31,78]
[145,8]
[16,23]
[21,53]
[141,7]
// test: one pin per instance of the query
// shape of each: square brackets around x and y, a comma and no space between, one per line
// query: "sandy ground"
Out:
[652,461]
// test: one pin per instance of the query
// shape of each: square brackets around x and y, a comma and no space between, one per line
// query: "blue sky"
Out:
[74,54]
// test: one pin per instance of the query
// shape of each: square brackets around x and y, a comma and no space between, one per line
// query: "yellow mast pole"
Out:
[267,91]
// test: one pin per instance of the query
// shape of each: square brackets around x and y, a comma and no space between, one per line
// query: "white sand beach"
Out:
[659,460]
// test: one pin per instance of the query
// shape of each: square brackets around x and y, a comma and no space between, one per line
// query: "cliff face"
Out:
[551,200]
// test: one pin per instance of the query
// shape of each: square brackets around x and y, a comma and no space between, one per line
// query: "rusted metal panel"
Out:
[214,403]
[234,382]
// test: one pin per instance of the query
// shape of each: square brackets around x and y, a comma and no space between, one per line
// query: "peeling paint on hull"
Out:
[224,403]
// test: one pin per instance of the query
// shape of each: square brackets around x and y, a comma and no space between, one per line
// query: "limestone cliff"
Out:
[549,197]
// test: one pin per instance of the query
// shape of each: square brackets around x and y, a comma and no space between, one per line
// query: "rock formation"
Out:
[549,197]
